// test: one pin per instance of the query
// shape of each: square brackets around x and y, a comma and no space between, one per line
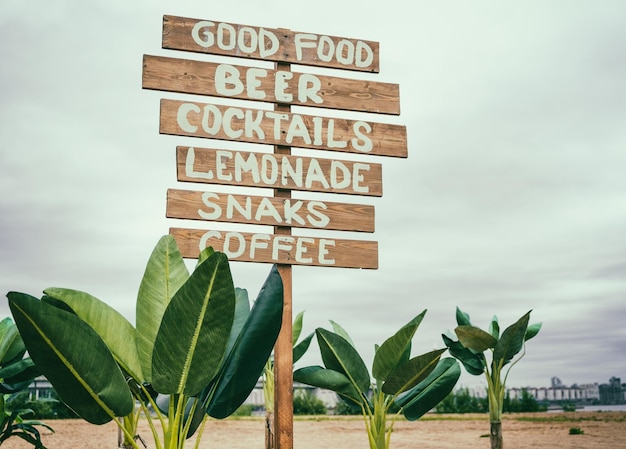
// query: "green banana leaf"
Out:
[14,387]
[243,366]
[17,375]
[427,394]
[395,350]
[494,328]
[472,361]
[409,374]
[462,318]
[512,340]
[300,349]
[165,273]
[11,345]
[242,311]
[532,331]
[194,331]
[339,355]
[296,328]
[342,332]
[73,358]
[328,379]
[19,371]
[475,338]
[119,335]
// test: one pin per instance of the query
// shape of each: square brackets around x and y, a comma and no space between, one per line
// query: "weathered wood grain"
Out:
[177,35]
[247,209]
[211,121]
[280,249]
[199,77]
[251,169]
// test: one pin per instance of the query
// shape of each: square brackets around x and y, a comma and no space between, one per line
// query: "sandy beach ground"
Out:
[602,430]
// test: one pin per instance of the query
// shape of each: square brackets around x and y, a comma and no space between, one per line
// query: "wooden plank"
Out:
[211,121]
[226,207]
[280,249]
[251,169]
[269,44]
[275,86]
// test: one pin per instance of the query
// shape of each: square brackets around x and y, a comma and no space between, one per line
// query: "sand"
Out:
[602,430]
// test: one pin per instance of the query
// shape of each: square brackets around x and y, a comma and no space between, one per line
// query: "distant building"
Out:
[329,398]
[40,388]
[613,393]
[606,394]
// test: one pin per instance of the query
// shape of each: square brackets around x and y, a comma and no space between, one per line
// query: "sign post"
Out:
[279,171]
[283,350]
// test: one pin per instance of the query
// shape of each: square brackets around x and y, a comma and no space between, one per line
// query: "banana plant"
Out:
[197,349]
[470,349]
[16,372]
[410,385]
[299,349]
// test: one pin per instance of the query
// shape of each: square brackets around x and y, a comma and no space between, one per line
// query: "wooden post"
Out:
[283,350]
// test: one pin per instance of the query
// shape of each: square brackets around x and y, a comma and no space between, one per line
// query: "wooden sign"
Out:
[280,170]
[279,249]
[275,86]
[228,39]
[251,169]
[211,121]
[261,210]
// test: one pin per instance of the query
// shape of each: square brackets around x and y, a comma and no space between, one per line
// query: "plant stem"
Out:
[495,435]
[200,432]
[127,435]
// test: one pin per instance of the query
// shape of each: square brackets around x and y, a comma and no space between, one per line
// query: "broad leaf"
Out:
[14,387]
[19,371]
[395,350]
[472,361]
[512,340]
[342,332]
[339,355]
[205,254]
[296,328]
[328,379]
[432,390]
[192,339]
[475,338]
[11,344]
[300,349]
[17,375]
[532,331]
[494,328]
[245,363]
[73,358]
[242,311]
[115,330]
[462,318]
[409,374]
[165,273]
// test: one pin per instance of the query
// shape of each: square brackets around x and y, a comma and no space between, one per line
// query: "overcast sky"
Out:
[512,198]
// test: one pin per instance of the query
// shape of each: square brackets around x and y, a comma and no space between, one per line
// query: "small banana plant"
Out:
[470,349]
[410,385]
